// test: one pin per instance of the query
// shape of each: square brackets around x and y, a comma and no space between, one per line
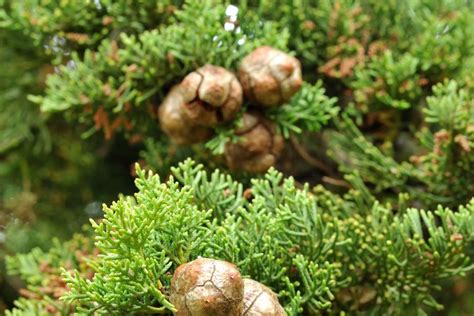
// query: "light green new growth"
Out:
[317,250]
[140,240]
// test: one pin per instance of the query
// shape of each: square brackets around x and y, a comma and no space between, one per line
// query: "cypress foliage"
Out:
[367,204]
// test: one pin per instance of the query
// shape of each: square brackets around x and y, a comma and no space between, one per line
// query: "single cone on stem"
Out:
[206,97]
[259,300]
[211,95]
[207,287]
[270,77]
[258,148]
[174,123]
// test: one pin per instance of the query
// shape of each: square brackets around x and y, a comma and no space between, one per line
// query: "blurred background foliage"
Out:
[402,73]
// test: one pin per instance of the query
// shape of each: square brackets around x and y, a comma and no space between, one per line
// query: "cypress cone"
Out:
[215,288]
[174,123]
[270,77]
[259,146]
[259,300]
[206,97]
[212,95]
[207,287]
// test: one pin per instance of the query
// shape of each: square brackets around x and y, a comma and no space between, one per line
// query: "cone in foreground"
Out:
[207,287]
[259,300]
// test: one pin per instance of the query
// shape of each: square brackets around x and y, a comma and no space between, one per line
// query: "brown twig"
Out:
[337,182]
[308,158]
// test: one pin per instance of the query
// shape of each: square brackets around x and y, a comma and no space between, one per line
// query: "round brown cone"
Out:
[212,95]
[258,148]
[207,287]
[174,122]
[270,77]
[259,300]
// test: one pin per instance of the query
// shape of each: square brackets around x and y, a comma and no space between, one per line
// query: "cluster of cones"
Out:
[205,287]
[213,95]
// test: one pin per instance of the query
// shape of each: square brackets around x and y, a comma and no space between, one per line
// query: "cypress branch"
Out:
[314,255]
